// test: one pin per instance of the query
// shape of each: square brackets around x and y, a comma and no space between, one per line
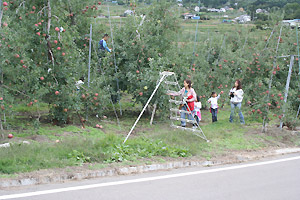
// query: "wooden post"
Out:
[153,113]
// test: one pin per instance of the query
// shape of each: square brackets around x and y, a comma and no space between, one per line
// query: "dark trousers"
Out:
[214,114]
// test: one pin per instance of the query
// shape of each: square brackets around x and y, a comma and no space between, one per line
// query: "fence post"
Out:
[287,89]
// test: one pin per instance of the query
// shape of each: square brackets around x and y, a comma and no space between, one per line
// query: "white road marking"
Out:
[84,187]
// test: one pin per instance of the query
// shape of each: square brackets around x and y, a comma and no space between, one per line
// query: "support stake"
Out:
[287,89]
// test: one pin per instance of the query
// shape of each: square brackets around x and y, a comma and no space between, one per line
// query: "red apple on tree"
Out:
[56,92]
[96,94]
[57,29]
[58,48]
[141,93]
[55,41]
[10,136]
[42,78]
[5,3]
[137,71]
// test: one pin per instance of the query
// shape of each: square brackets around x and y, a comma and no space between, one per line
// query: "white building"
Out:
[261,11]
[222,10]
[243,19]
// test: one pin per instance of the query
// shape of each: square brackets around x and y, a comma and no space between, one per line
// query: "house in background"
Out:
[261,11]
[292,23]
[243,19]
[127,12]
[188,16]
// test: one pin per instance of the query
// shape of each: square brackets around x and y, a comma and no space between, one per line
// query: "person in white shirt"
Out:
[197,111]
[79,83]
[213,100]
[236,97]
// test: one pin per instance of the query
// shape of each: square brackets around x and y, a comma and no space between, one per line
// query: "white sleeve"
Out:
[240,93]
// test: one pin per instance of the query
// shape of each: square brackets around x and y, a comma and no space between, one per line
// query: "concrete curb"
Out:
[59,178]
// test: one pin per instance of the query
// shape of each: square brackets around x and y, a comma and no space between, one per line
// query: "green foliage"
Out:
[42,59]
[292,11]
[79,150]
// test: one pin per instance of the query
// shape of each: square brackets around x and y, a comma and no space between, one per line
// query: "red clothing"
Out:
[191,105]
[192,96]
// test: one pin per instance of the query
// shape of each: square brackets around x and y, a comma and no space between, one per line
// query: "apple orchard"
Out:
[45,50]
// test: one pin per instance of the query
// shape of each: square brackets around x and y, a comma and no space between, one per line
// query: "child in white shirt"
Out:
[197,112]
[79,83]
[213,100]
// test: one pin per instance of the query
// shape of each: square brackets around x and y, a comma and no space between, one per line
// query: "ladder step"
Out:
[181,111]
[185,120]
[187,129]
[171,91]
[167,73]
[176,102]
[171,83]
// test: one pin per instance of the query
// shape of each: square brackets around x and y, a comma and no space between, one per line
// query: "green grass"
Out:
[42,107]
[94,147]
[104,146]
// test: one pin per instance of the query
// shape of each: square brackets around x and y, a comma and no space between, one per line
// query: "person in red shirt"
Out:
[189,96]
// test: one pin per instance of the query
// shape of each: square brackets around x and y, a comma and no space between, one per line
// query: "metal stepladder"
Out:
[172,86]
[165,77]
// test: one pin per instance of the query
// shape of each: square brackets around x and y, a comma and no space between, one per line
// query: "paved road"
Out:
[278,178]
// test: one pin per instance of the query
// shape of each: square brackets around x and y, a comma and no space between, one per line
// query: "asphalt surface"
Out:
[276,178]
